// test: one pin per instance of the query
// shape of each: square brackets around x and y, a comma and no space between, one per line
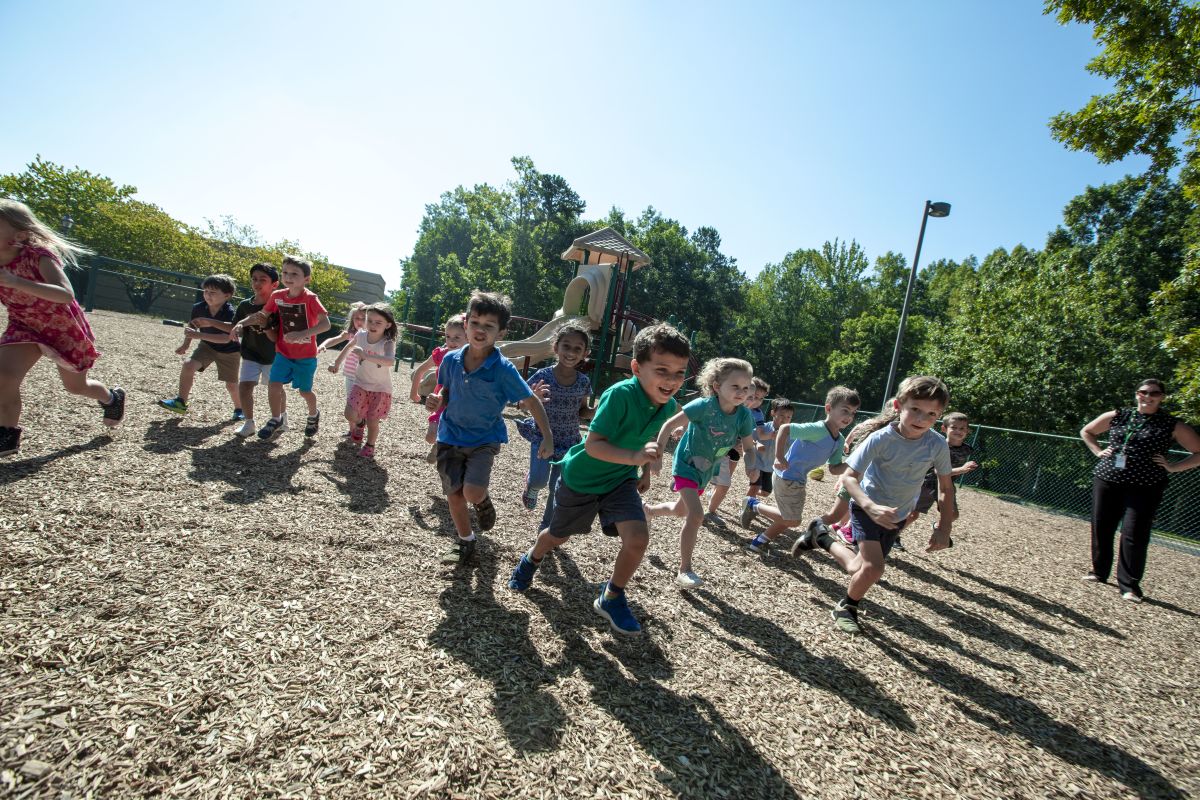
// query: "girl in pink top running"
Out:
[456,339]
[43,320]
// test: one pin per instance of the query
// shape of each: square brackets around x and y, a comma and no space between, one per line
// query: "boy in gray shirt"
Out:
[884,478]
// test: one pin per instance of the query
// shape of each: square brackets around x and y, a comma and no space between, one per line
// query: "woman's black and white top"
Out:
[1136,437]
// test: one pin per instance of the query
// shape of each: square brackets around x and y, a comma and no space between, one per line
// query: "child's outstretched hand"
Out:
[884,515]
[649,456]
[781,465]
[542,390]
[545,449]
[675,434]
[970,466]
[643,484]
[191,332]
[433,402]
[939,540]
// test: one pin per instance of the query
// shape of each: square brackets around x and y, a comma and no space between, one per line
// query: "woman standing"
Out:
[1129,481]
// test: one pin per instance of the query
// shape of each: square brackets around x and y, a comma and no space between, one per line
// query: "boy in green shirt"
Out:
[600,474]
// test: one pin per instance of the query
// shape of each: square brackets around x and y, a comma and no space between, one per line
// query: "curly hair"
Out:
[716,370]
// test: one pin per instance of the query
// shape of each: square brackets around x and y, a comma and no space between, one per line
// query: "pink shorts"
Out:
[678,483]
[369,405]
[437,415]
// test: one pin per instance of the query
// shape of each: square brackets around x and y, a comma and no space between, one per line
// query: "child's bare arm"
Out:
[417,375]
[749,446]
[664,433]
[602,449]
[586,412]
[534,406]
[781,448]
[332,341]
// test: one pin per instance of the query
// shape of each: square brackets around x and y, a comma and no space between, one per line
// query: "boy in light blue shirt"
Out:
[800,448]
[884,478]
[477,382]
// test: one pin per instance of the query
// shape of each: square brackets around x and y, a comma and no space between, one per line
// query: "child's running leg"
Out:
[187,377]
[612,604]
[15,362]
[690,500]
[113,402]
[431,431]
[234,395]
[372,432]
[312,424]
[718,496]
[535,479]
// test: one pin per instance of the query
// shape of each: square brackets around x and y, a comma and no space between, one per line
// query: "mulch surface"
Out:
[186,614]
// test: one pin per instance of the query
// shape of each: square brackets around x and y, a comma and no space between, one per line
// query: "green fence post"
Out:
[93,272]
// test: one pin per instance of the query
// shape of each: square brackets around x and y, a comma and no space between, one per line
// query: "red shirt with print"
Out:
[295,314]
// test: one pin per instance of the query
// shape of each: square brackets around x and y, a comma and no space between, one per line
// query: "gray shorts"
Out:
[254,372]
[575,511]
[460,465]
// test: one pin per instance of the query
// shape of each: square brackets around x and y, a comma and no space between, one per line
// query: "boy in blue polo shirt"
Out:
[800,447]
[477,382]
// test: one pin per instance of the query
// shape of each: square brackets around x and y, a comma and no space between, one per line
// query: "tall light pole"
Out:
[931,210]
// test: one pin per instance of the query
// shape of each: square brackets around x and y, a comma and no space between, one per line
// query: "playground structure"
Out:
[598,297]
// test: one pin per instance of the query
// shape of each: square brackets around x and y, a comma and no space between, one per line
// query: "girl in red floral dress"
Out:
[43,320]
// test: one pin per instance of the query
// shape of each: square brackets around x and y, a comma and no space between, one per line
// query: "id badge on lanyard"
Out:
[1119,461]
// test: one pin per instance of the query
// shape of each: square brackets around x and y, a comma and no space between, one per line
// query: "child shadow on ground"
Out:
[363,481]
[879,614]
[673,728]
[171,436]
[247,468]
[1011,714]
[13,471]
[493,642]
[435,518]
[776,648]
[1043,605]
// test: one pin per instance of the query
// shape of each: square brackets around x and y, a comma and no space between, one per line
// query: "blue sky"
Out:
[782,125]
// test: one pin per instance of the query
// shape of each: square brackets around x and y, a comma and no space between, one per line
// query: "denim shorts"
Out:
[575,511]
[866,529]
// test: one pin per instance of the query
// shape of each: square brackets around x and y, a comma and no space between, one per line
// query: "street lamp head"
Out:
[939,209]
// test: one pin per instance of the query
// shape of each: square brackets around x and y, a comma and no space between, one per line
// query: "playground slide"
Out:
[538,347]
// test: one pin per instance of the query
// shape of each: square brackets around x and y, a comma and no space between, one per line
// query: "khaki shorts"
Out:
[725,476]
[789,498]
[227,363]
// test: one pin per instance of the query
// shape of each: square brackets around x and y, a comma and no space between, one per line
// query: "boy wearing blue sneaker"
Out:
[477,382]
[600,474]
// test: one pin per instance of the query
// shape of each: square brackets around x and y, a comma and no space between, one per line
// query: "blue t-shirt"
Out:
[810,445]
[562,409]
[893,467]
[477,398]
[761,426]
[224,314]
[709,436]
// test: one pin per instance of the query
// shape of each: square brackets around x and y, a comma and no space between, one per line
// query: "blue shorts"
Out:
[298,372]
[866,529]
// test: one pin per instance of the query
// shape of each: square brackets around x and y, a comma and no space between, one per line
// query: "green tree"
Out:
[1151,53]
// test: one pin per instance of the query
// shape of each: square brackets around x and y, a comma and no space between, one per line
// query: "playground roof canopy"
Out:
[606,247]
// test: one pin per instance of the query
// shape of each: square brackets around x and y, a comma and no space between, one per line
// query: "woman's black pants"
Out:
[1133,508]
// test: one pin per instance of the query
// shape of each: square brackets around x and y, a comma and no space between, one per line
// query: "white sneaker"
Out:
[247,430]
[688,580]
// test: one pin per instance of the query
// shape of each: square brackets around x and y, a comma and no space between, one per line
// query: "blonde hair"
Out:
[356,307]
[864,429]
[716,370]
[457,321]
[19,215]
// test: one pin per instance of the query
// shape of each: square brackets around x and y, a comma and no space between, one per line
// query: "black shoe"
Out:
[313,423]
[462,553]
[898,546]
[486,513]
[10,441]
[114,409]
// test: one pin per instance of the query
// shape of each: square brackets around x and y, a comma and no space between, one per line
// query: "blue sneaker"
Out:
[522,575]
[238,415]
[617,612]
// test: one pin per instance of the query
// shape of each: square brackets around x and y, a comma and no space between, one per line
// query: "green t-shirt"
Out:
[627,418]
[710,435]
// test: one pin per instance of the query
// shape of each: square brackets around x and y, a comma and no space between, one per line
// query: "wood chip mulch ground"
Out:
[185,614]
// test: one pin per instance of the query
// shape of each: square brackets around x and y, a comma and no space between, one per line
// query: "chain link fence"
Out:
[1053,472]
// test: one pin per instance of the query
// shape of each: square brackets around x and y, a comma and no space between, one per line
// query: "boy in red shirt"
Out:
[301,317]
